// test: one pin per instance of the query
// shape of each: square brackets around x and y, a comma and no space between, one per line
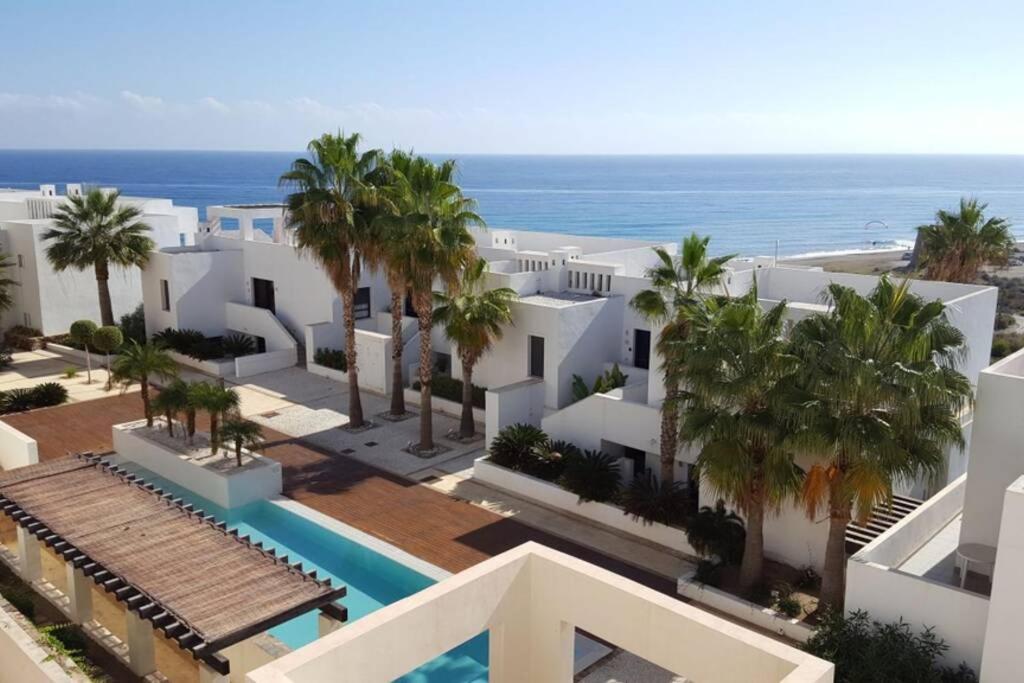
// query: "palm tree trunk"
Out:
[170,424]
[214,441]
[238,451]
[425,311]
[146,407]
[355,404]
[466,425]
[833,578]
[103,288]
[752,566]
[669,431]
[190,424]
[397,388]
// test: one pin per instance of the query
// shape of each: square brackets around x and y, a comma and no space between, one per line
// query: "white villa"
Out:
[51,301]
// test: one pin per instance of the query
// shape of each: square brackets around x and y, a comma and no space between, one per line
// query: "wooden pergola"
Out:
[205,587]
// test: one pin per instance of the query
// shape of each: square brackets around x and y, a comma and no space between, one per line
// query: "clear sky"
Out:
[683,76]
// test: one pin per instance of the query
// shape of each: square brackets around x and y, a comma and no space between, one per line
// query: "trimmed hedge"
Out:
[451,389]
[331,358]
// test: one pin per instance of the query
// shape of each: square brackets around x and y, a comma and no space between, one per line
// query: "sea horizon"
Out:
[820,203]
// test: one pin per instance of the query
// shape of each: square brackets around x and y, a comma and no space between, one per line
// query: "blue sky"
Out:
[724,76]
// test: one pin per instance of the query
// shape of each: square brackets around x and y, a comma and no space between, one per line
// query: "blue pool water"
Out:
[372,579]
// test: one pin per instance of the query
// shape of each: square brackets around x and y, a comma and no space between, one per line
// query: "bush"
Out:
[108,339]
[49,394]
[238,345]
[648,500]
[784,602]
[515,447]
[1005,344]
[708,572]
[331,358]
[864,650]
[18,400]
[71,372]
[206,349]
[445,387]
[23,338]
[133,326]
[182,341]
[611,379]
[20,597]
[548,460]
[808,579]
[716,532]
[80,333]
[1004,320]
[592,476]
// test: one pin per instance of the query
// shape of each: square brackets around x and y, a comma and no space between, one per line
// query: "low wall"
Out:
[519,402]
[217,368]
[16,449]
[22,659]
[444,406]
[231,488]
[70,352]
[258,363]
[324,371]
[550,495]
[754,614]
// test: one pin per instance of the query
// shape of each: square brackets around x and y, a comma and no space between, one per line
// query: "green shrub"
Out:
[49,394]
[23,338]
[80,333]
[716,532]
[592,476]
[206,349]
[808,579]
[515,446]
[133,326]
[71,372]
[865,651]
[548,460]
[1004,320]
[451,389]
[18,400]
[708,572]
[648,500]
[1005,344]
[331,358]
[611,379]
[108,339]
[238,345]
[20,596]
[784,602]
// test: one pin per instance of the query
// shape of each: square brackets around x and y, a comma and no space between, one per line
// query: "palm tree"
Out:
[473,318]
[244,434]
[736,369]
[437,245]
[217,401]
[676,283]
[195,394]
[878,398]
[172,400]
[6,283]
[94,231]
[330,208]
[140,362]
[958,244]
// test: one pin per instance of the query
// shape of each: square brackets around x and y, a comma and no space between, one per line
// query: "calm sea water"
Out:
[746,203]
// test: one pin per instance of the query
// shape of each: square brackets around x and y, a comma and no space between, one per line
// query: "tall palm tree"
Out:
[6,283]
[676,283]
[218,401]
[139,363]
[331,207]
[171,401]
[958,244]
[473,318]
[95,231]
[878,398]
[195,394]
[243,434]
[437,246]
[736,369]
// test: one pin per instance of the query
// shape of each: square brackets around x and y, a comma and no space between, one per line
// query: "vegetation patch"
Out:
[40,396]
[331,358]
[451,389]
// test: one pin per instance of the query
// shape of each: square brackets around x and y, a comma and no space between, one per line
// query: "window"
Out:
[600,282]
[165,296]
[536,356]
[608,283]
[361,307]
[577,285]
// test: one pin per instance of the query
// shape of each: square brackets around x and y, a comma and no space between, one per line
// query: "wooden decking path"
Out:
[449,533]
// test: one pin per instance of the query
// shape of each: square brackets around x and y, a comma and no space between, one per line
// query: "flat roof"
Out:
[202,585]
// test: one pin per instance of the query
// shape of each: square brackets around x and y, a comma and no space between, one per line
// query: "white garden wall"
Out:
[22,659]
[520,402]
[217,368]
[16,449]
[257,363]
[546,493]
[444,406]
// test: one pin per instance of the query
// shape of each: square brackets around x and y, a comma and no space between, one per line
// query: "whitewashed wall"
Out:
[1001,660]
[16,449]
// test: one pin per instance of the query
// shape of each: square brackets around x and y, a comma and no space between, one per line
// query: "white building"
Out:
[573,317]
[51,301]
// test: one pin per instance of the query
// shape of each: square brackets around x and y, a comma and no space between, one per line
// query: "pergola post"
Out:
[141,651]
[79,593]
[208,675]
[327,624]
[30,559]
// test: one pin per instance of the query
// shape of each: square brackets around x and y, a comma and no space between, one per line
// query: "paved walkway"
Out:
[447,532]
[29,368]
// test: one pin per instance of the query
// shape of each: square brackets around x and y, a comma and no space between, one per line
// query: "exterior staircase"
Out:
[882,518]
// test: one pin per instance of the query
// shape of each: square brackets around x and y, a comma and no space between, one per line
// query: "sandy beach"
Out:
[865,262]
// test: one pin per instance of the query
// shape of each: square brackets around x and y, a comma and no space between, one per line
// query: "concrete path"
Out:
[29,368]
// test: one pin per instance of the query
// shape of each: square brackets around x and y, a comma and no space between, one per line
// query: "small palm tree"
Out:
[473,318]
[195,393]
[94,231]
[139,363]
[171,401]
[736,371]
[332,204]
[6,283]
[436,245]
[243,434]
[676,283]
[877,400]
[957,245]
[217,401]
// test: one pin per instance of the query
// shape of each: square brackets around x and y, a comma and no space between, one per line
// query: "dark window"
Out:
[536,356]
[410,310]
[263,294]
[165,296]
[361,307]
[639,459]
[642,349]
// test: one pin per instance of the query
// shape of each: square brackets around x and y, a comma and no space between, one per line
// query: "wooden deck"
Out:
[449,533]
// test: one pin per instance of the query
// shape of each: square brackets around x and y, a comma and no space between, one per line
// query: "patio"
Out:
[29,368]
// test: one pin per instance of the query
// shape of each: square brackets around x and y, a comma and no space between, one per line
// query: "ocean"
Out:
[748,204]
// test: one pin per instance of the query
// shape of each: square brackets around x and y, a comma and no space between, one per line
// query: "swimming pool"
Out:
[373,579]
